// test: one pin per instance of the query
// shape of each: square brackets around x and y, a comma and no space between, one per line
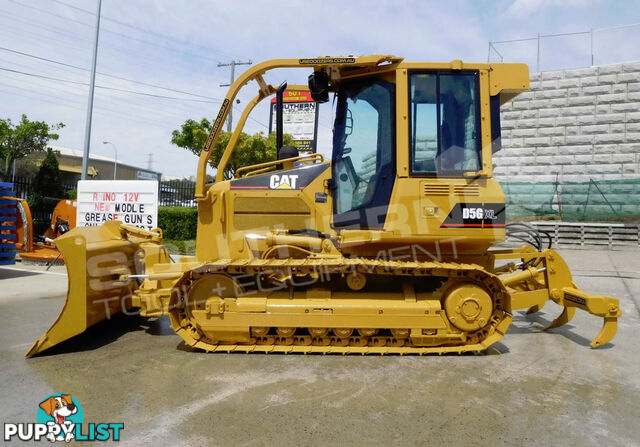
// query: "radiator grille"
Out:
[432,189]
[466,190]
[436,190]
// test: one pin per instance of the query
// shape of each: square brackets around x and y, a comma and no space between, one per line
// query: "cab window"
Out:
[444,123]
[363,152]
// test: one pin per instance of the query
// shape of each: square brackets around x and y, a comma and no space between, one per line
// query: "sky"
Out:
[158,59]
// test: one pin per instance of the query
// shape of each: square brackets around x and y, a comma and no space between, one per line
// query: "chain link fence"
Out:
[601,200]
[547,52]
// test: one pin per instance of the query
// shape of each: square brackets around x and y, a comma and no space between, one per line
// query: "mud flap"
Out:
[95,257]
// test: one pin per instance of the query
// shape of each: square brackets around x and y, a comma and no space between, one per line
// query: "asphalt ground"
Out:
[532,388]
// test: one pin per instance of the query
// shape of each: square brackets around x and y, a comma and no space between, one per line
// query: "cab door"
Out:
[363,153]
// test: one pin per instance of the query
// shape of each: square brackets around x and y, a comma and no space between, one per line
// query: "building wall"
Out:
[104,168]
[573,126]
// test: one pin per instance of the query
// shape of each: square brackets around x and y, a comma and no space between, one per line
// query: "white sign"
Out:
[298,119]
[133,202]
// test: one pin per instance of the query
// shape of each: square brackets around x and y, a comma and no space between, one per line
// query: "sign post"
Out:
[133,202]
[300,119]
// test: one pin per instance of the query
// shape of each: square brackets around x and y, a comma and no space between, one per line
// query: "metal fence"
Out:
[546,52]
[171,192]
[177,193]
[23,186]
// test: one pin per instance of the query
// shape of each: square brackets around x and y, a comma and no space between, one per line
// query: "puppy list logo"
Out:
[60,418]
[60,413]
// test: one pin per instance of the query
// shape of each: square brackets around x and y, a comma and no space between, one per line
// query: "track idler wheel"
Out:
[468,307]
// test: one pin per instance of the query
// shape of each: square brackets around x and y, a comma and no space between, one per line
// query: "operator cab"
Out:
[444,139]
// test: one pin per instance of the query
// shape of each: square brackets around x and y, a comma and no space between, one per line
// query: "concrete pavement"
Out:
[539,388]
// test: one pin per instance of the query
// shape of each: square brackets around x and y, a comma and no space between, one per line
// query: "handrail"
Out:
[286,162]
[222,163]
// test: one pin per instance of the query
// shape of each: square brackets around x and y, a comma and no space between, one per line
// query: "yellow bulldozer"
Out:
[385,249]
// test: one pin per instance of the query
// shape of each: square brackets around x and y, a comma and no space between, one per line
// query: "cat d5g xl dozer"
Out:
[384,249]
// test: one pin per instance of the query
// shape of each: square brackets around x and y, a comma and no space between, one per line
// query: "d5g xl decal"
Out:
[476,215]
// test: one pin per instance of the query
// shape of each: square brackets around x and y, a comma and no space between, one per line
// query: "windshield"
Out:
[363,143]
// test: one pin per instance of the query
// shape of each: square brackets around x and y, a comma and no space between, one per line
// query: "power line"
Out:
[144,60]
[119,112]
[109,75]
[59,33]
[50,13]
[58,79]
[156,96]
[52,78]
[59,101]
[232,64]
[253,119]
[43,76]
[137,28]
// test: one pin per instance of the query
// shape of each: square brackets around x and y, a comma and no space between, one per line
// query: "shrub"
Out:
[48,183]
[187,248]
[178,223]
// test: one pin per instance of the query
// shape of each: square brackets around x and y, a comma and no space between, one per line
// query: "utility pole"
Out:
[150,161]
[115,163]
[92,84]
[232,64]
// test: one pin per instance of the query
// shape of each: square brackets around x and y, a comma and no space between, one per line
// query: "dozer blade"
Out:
[95,257]
[565,317]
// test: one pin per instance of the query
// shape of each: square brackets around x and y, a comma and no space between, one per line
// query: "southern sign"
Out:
[133,202]
[299,119]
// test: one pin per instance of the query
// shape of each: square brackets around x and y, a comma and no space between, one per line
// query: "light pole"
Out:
[115,163]
[92,85]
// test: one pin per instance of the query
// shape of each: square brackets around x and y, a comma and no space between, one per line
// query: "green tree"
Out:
[249,150]
[19,140]
[48,182]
